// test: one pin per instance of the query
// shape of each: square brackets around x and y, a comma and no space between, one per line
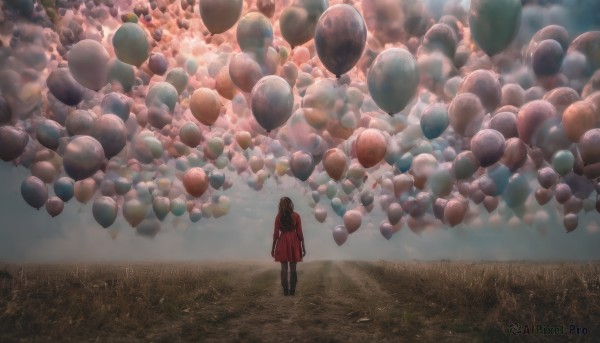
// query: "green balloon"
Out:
[131,44]
[393,79]
[494,23]
[122,73]
[220,15]
[563,162]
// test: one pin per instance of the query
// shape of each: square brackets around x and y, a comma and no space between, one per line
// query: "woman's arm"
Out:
[275,235]
[300,235]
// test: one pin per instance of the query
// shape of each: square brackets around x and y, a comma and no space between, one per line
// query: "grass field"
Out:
[349,301]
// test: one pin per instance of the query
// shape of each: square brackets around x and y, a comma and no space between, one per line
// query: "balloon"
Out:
[440,182]
[220,15]
[466,114]
[301,165]
[64,188]
[254,35]
[190,134]
[205,106]
[440,37]
[244,72]
[272,102]
[134,212]
[217,179]
[266,7]
[295,25]
[335,163]
[485,85]
[80,122]
[63,86]
[532,116]
[195,181]
[83,157]
[178,207]
[44,170]
[117,104]
[393,79]
[121,73]
[465,165]
[48,133]
[12,142]
[494,182]
[34,192]
[386,230]
[320,214]
[161,207]
[340,235]
[487,147]
[570,221]
[563,161]
[366,198]
[130,44]
[158,63]
[434,121]
[505,123]
[562,193]
[105,211]
[578,118]
[370,147]
[494,23]
[149,227]
[542,196]
[455,211]
[110,131]
[589,147]
[394,213]
[547,58]
[340,38]
[515,154]
[178,78]
[512,95]
[517,191]
[84,190]
[54,206]
[162,94]
[561,98]
[88,63]
[224,84]
[352,220]
[587,43]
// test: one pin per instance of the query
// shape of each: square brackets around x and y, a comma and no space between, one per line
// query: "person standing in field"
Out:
[288,244]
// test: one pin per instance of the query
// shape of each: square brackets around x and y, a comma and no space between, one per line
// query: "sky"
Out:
[28,235]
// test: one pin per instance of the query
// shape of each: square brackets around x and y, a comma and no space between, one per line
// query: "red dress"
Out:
[288,242]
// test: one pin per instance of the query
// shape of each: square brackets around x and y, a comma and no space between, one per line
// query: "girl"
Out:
[287,242]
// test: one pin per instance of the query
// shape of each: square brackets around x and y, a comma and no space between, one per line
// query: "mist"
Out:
[246,233]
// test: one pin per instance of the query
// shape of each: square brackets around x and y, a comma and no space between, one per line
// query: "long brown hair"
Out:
[286,209]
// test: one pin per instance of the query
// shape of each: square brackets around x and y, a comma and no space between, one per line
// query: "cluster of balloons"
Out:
[436,110]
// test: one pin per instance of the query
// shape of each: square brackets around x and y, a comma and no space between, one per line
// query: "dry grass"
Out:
[482,299]
[409,301]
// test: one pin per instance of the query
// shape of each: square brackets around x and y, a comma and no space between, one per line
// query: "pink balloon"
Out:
[335,163]
[352,220]
[370,147]
[195,181]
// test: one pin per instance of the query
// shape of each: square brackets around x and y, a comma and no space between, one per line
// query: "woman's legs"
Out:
[293,278]
[284,277]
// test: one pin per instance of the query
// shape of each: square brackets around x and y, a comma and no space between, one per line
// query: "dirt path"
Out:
[334,302]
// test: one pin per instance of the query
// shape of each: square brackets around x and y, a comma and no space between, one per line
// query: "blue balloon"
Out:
[434,121]
[404,163]
[64,188]
[216,179]
[34,192]
[105,211]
